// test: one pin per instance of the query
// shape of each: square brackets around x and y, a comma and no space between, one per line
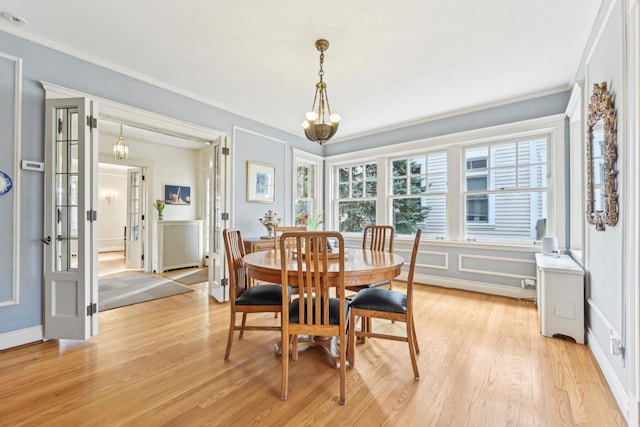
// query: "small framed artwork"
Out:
[261,182]
[177,195]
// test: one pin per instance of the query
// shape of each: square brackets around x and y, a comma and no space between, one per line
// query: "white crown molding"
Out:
[454,113]
[475,136]
[126,71]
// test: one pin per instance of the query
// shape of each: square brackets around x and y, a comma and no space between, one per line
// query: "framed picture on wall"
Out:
[177,195]
[261,182]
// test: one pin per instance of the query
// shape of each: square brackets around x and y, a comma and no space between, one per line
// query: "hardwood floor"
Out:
[482,363]
[111,263]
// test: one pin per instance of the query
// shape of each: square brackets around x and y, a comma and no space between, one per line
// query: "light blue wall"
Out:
[251,141]
[519,111]
[604,253]
[43,64]
[259,148]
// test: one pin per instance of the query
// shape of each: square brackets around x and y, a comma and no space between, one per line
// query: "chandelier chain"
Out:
[321,72]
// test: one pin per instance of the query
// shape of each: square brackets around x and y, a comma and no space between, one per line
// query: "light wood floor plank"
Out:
[483,362]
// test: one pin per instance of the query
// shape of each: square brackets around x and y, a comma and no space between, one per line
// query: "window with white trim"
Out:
[418,194]
[506,190]
[306,191]
[305,201]
[478,206]
[356,191]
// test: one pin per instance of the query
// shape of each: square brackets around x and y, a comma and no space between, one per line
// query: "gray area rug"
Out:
[117,292]
[198,276]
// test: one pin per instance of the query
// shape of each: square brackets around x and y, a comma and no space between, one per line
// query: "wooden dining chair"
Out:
[376,238]
[278,230]
[314,312]
[387,304]
[245,296]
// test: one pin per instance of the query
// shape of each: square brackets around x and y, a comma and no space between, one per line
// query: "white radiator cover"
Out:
[179,245]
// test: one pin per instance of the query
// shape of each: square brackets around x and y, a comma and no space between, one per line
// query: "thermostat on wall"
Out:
[32,166]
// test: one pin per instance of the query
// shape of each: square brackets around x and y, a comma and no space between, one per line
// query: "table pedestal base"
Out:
[329,345]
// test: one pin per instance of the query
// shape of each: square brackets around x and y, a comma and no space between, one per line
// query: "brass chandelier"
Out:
[321,125]
[120,149]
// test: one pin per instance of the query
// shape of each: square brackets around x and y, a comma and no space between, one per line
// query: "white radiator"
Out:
[179,244]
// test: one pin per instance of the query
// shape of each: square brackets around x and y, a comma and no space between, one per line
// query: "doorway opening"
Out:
[121,196]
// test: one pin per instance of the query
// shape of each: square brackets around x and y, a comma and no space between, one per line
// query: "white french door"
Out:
[217,217]
[135,223]
[70,215]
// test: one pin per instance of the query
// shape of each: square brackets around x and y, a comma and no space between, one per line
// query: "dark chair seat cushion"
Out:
[380,300]
[261,295]
[334,310]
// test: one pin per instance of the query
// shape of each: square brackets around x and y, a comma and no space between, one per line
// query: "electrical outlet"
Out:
[616,347]
[615,343]
[527,283]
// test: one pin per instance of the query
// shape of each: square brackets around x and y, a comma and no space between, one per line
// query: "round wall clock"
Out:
[5,183]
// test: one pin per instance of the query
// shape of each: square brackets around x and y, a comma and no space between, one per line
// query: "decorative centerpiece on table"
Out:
[270,221]
[159,205]
[313,223]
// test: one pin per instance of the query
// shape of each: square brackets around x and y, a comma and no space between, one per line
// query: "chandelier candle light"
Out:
[321,125]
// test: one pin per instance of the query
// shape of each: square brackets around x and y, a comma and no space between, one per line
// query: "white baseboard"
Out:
[115,248]
[617,389]
[468,285]
[634,411]
[21,337]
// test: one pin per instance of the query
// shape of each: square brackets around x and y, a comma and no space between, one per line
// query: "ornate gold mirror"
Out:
[602,191]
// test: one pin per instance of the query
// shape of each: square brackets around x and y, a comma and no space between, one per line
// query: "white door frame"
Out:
[114,111]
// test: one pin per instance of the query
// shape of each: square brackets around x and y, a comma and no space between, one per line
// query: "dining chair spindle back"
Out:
[314,312]
[245,296]
[376,238]
[278,230]
[387,304]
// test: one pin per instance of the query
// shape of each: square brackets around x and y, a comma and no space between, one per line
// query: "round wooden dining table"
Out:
[362,266]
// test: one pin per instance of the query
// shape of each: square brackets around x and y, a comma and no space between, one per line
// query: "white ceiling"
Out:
[390,63]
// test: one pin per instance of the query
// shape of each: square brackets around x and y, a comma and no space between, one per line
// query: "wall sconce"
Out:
[109,197]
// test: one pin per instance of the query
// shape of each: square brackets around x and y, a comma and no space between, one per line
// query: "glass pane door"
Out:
[66,185]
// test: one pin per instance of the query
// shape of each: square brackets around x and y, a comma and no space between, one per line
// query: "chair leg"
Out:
[343,370]
[294,347]
[232,328]
[244,321]
[415,338]
[352,338]
[284,388]
[364,327]
[412,350]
